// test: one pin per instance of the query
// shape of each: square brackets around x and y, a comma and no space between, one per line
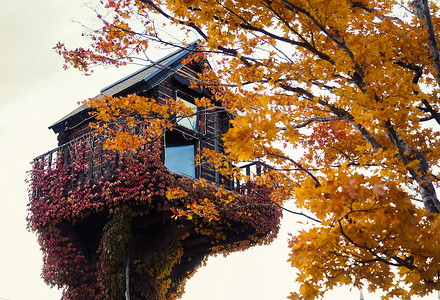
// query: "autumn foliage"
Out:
[340,98]
[94,208]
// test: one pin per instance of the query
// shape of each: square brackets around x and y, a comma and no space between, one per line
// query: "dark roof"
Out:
[149,77]
[75,117]
[152,74]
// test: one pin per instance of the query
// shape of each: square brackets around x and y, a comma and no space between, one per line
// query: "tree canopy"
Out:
[339,97]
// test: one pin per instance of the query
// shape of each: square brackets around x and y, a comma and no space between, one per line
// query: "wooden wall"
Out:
[214,123]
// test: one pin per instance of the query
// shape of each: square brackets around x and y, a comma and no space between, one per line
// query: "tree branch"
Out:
[328,119]
[340,113]
[298,165]
[341,230]
[181,22]
[407,155]
[408,262]
[428,108]
[345,115]
[413,67]
[263,204]
[423,13]
[341,44]
[432,39]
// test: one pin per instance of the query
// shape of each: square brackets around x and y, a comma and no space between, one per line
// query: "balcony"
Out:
[92,163]
[80,191]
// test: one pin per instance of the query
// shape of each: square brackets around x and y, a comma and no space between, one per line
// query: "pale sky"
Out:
[34,93]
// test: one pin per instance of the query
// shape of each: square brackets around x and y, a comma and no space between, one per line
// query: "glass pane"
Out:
[190,122]
[181,159]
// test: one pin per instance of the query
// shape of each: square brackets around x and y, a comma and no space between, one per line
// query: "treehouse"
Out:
[113,224]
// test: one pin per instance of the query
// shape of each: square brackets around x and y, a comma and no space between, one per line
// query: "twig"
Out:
[318,184]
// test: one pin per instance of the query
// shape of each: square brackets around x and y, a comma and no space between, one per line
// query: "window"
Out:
[192,121]
[180,153]
[181,159]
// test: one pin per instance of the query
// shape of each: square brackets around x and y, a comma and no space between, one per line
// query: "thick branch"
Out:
[407,155]
[339,112]
[306,94]
[345,115]
[421,8]
[311,120]
[413,67]
[432,40]
[335,118]
[428,108]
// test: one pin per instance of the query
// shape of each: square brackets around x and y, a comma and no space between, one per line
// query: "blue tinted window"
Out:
[181,159]
[192,121]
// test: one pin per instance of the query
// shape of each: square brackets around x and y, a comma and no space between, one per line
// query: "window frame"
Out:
[200,119]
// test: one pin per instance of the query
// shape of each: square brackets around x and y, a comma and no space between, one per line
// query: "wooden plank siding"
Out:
[209,135]
[212,124]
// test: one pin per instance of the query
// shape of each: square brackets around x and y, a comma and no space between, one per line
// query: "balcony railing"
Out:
[85,153]
[94,163]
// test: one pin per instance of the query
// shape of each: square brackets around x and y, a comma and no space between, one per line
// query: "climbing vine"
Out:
[113,252]
[89,206]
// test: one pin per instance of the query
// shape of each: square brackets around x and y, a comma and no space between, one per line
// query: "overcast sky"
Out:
[35,92]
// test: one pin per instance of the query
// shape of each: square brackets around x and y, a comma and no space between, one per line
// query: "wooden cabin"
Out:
[107,227]
[165,79]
